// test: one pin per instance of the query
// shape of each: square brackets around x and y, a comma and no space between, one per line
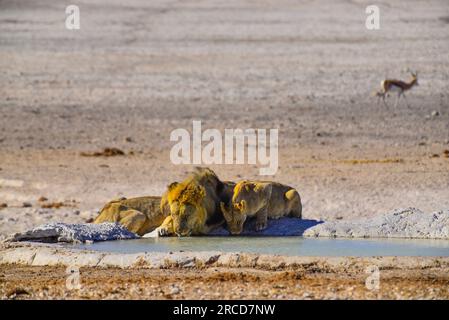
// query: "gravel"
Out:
[401,223]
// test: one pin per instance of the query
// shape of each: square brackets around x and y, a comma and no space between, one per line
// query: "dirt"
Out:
[20,282]
[134,72]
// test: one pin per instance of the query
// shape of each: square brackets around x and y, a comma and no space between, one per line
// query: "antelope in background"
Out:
[390,85]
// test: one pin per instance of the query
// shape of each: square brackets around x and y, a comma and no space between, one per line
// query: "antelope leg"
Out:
[385,102]
[406,101]
[397,100]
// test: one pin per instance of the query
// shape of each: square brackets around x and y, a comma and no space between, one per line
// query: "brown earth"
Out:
[136,71]
[24,282]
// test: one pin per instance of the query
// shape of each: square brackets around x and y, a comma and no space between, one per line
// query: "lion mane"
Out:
[195,203]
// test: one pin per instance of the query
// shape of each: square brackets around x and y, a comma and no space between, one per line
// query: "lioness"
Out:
[139,215]
[260,199]
[195,204]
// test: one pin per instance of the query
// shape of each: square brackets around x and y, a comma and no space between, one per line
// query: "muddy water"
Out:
[292,246]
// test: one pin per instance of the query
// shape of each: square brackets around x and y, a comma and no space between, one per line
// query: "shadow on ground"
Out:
[280,227]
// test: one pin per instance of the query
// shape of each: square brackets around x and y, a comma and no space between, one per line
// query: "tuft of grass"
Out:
[57,205]
[367,161]
[106,152]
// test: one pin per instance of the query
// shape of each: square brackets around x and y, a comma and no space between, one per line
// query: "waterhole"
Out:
[291,246]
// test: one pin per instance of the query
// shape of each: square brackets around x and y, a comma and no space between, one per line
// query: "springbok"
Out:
[398,86]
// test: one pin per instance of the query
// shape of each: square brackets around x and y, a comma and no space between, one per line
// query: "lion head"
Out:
[186,208]
[235,216]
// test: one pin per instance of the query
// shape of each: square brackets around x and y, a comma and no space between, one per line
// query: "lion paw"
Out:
[261,225]
[162,231]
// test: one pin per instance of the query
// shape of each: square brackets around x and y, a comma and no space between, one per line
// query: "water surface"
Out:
[292,246]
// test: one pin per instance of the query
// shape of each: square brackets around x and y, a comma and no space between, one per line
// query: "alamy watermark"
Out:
[73,280]
[72,20]
[229,149]
[372,21]
[372,282]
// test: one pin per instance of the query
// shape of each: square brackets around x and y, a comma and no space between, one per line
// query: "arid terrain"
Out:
[218,283]
[46,271]
[134,72]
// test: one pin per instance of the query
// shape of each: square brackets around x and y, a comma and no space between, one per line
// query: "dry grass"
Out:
[106,152]
[368,161]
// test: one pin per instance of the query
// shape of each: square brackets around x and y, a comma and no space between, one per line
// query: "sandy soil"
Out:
[46,272]
[218,283]
[135,72]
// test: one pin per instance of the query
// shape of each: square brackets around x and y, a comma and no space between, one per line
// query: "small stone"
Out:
[26,205]
[3,205]
[174,289]
[42,199]
[435,113]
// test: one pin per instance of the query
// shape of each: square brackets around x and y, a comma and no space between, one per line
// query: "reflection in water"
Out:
[293,246]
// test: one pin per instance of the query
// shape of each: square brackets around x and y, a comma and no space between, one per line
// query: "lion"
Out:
[195,204]
[260,199]
[139,215]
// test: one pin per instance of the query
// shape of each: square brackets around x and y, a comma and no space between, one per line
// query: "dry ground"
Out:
[218,283]
[137,71]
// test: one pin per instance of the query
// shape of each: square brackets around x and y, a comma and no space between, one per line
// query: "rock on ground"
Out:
[75,232]
[401,223]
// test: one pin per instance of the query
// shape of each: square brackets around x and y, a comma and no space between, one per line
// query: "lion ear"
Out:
[226,212]
[172,185]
